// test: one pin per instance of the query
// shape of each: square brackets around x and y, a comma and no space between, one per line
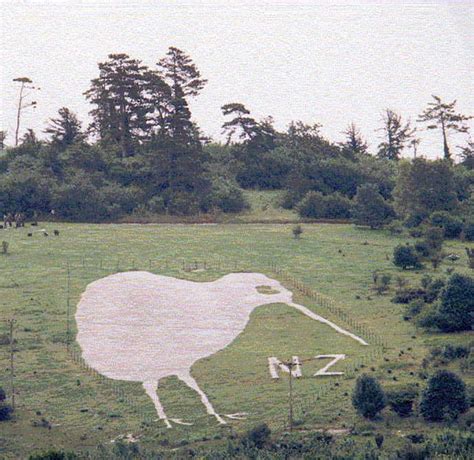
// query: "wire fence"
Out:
[303,404]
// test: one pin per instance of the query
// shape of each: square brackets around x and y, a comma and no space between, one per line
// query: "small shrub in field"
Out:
[451,225]
[257,437]
[468,231]
[4,247]
[383,283]
[379,438]
[401,400]
[5,409]
[5,412]
[414,308]
[297,231]
[434,238]
[368,397]
[445,398]
[395,227]
[405,256]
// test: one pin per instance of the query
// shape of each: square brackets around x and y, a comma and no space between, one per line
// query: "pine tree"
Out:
[396,135]
[354,142]
[66,129]
[120,113]
[442,115]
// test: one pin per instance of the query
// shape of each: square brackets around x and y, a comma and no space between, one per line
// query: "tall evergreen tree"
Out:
[241,124]
[120,113]
[442,115]
[354,141]
[396,135]
[182,158]
[66,129]
[184,80]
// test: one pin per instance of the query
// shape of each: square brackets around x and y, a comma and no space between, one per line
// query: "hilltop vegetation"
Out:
[143,155]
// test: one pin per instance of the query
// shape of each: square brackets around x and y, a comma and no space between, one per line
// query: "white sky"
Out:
[318,61]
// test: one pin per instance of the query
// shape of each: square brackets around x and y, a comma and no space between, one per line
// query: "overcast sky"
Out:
[316,61]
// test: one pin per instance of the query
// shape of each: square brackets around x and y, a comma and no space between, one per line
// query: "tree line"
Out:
[143,153]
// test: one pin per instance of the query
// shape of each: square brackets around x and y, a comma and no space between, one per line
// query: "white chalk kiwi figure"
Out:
[138,326]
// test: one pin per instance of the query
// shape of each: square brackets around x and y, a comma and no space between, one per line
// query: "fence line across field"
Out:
[303,404]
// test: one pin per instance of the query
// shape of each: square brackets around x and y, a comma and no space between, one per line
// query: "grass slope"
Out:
[84,410]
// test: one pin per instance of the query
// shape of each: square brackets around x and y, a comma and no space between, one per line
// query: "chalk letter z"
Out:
[323,371]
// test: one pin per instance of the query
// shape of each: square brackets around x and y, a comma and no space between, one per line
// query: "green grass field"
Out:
[81,410]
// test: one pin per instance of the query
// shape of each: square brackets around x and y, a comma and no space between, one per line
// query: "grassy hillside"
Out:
[61,403]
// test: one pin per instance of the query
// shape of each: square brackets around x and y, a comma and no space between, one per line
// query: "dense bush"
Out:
[405,256]
[257,436]
[315,205]
[227,197]
[468,231]
[370,207]
[408,295]
[368,397]
[451,225]
[401,400]
[445,397]
[5,409]
[456,307]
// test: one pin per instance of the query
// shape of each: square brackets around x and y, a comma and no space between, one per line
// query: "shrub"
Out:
[382,283]
[468,231]
[451,225]
[434,237]
[370,207]
[379,438]
[181,203]
[422,249]
[5,412]
[445,397]
[297,231]
[368,397]
[408,295]
[434,289]
[456,308]
[227,197]
[401,400]
[3,395]
[4,247]
[156,205]
[395,227]
[315,205]
[405,256]
[414,308]
[257,436]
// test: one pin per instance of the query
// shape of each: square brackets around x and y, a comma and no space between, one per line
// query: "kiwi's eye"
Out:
[268,290]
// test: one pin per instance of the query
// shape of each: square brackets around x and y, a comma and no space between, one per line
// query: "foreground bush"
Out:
[368,397]
[445,397]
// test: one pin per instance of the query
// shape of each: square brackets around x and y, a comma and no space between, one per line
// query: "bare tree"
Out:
[23,103]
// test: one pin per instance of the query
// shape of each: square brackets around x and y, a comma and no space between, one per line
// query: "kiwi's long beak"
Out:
[312,315]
